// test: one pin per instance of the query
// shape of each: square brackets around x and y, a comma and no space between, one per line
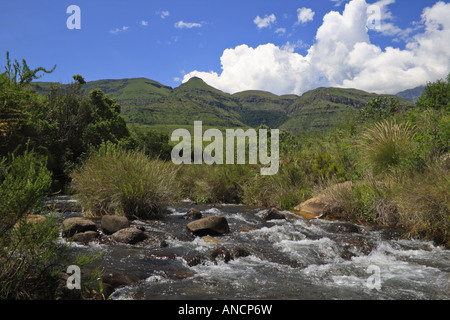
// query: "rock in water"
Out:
[111,224]
[75,225]
[193,214]
[129,235]
[273,214]
[86,237]
[312,208]
[221,254]
[209,226]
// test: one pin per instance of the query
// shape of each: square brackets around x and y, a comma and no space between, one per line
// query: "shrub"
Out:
[116,181]
[215,183]
[379,108]
[29,253]
[24,182]
[424,203]
[366,200]
[388,148]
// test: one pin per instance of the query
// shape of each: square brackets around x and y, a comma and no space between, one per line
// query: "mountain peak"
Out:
[196,83]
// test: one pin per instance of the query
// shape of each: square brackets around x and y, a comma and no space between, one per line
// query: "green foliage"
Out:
[424,202]
[388,148]
[24,182]
[75,124]
[436,95]
[105,123]
[153,143]
[115,181]
[22,74]
[214,183]
[29,252]
[379,108]
[79,79]
[18,120]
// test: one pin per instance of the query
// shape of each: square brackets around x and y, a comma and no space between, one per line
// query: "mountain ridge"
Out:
[148,103]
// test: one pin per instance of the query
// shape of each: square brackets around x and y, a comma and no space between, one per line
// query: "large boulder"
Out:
[111,224]
[75,225]
[326,204]
[129,236]
[209,226]
[312,208]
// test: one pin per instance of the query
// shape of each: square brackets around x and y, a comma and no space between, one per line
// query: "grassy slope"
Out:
[321,108]
[150,104]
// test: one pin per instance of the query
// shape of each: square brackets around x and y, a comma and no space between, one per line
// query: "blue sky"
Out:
[234,45]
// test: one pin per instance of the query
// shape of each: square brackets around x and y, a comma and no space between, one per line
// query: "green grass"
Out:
[115,181]
[388,148]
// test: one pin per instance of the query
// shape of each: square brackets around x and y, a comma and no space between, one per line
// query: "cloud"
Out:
[266,67]
[304,15]
[188,25]
[163,14]
[280,31]
[119,30]
[338,3]
[265,22]
[342,55]
[143,23]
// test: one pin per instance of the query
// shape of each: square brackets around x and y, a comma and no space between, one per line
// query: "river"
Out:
[293,258]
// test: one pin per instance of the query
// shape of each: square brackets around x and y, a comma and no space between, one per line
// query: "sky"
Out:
[282,46]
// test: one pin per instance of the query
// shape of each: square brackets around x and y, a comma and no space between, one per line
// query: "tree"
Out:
[20,106]
[107,124]
[379,108]
[78,124]
[22,74]
[436,95]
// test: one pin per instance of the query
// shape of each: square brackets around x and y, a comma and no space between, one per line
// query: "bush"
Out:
[116,181]
[365,200]
[271,191]
[424,203]
[29,253]
[24,182]
[215,183]
[388,148]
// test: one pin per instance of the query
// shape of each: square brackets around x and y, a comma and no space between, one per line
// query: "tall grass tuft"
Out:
[128,183]
[388,148]
[424,202]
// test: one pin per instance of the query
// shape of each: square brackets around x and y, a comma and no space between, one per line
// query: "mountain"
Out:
[321,108]
[411,94]
[147,103]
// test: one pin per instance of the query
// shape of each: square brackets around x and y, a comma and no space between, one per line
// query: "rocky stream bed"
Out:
[236,252]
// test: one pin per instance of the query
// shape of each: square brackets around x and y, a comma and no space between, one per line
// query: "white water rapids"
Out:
[285,259]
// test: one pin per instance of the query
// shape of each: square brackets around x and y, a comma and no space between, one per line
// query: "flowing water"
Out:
[277,259]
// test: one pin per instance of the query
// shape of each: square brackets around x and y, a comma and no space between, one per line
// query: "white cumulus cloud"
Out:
[265,22]
[304,15]
[342,55]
